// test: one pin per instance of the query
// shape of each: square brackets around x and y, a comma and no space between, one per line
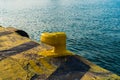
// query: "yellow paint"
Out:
[44,68]
[24,65]
[11,29]
[2,29]
[36,68]
[58,41]
[46,64]
[12,40]
[11,70]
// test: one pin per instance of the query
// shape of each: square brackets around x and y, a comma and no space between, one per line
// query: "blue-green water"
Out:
[92,26]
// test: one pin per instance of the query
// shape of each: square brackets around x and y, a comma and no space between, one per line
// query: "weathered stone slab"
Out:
[23,59]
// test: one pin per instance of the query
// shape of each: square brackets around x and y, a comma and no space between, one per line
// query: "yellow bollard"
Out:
[58,41]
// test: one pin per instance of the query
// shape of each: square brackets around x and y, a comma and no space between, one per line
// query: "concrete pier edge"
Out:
[24,59]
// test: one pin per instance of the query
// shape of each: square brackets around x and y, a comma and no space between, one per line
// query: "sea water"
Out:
[92,26]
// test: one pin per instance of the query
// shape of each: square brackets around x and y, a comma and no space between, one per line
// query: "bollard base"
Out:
[53,54]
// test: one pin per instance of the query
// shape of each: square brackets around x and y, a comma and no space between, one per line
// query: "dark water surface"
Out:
[92,26]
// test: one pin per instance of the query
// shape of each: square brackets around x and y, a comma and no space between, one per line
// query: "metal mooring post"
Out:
[57,40]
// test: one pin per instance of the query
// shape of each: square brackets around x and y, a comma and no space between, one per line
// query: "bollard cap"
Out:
[56,38]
